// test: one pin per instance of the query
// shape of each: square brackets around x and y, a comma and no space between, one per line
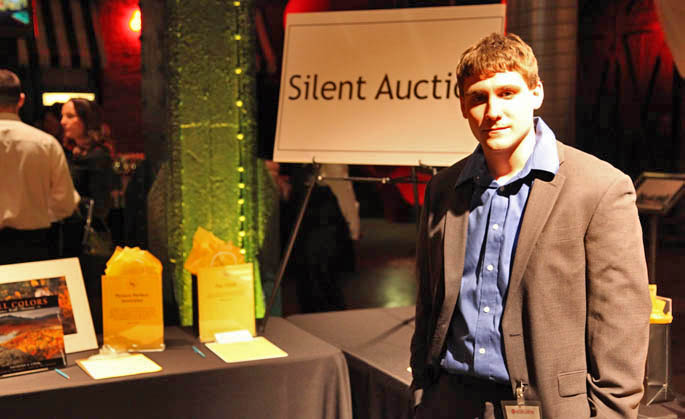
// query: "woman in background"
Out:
[90,161]
[89,157]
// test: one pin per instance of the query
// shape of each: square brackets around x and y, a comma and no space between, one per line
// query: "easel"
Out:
[316,178]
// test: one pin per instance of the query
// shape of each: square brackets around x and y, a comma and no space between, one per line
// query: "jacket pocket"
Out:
[572,383]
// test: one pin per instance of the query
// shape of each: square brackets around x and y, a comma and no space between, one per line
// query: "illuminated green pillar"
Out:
[215,179]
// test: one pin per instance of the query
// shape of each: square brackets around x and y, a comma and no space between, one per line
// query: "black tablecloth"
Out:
[311,382]
[376,345]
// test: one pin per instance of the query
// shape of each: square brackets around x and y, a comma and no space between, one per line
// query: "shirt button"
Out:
[481,351]
[495,226]
[490,267]
[486,309]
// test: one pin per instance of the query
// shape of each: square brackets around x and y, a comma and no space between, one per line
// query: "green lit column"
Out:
[215,179]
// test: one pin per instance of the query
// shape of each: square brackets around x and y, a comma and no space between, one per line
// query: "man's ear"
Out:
[538,95]
[20,103]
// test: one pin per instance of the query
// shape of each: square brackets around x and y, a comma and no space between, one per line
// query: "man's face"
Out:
[499,109]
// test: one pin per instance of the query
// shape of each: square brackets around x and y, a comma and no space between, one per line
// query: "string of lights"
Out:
[240,137]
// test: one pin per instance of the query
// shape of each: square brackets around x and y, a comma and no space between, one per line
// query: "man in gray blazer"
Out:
[531,269]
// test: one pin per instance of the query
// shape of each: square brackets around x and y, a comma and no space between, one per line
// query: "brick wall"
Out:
[121,98]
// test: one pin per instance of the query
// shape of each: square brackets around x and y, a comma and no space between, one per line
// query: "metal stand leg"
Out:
[653,232]
[658,374]
[417,207]
[289,249]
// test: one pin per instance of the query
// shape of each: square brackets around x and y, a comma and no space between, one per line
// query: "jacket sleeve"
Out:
[618,304]
[100,180]
[421,338]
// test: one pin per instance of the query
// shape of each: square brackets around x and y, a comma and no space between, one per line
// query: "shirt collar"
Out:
[9,115]
[544,158]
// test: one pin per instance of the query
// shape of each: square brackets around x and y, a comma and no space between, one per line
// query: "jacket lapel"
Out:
[452,227]
[456,228]
[543,196]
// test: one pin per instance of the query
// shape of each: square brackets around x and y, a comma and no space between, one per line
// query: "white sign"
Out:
[377,87]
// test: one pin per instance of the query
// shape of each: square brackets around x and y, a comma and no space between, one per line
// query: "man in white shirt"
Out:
[35,184]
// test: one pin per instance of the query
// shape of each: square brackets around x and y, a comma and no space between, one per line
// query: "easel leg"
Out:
[417,207]
[289,249]
[653,232]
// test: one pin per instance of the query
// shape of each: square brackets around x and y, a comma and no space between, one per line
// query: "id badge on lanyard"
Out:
[521,408]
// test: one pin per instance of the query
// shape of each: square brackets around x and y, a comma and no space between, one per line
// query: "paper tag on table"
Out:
[251,350]
[234,336]
[130,364]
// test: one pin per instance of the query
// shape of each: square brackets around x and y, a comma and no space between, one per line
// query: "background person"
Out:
[530,262]
[34,179]
[90,159]
[323,253]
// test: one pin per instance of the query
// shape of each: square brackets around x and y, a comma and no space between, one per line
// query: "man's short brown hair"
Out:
[497,53]
[10,88]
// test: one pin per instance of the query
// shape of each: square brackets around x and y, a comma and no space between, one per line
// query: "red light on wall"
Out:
[300,6]
[135,22]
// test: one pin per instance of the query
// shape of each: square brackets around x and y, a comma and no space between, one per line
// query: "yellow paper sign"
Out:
[132,315]
[257,348]
[225,297]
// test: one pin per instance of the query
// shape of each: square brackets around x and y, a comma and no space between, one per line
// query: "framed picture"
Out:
[61,277]
[657,193]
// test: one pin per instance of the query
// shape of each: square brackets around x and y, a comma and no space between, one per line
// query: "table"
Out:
[311,382]
[376,345]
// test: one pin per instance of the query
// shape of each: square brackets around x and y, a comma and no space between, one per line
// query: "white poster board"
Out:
[379,86]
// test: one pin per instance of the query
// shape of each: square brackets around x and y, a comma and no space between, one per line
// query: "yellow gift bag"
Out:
[223,287]
[225,300]
[132,314]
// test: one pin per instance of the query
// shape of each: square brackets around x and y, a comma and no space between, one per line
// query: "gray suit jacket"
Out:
[576,318]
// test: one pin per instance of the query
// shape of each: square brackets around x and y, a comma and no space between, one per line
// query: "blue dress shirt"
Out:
[474,340]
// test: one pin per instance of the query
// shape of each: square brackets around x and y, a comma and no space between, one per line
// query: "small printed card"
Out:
[251,350]
[525,410]
[234,336]
[119,366]
[31,335]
